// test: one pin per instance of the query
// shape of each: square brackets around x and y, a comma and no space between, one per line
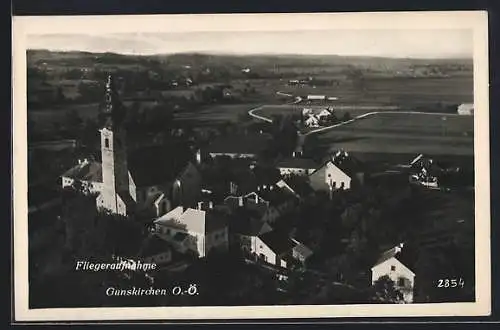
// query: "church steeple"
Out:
[115,176]
[113,112]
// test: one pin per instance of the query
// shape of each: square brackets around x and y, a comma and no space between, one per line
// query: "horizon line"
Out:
[235,54]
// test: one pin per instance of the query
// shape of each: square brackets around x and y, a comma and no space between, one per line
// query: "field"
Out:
[404,134]
[215,114]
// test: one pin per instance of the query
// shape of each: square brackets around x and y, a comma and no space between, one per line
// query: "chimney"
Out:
[210,205]
[294,154]
[199,205]
[398,248]
[240,201]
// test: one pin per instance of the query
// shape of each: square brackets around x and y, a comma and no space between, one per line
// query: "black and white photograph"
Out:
[251,166]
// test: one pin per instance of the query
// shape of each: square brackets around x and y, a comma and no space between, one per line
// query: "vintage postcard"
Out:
[257,166]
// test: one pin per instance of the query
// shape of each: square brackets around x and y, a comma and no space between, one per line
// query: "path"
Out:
[298,99]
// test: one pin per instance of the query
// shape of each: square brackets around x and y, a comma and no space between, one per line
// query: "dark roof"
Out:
[245,223]
[153,245]
[295,162]
[279,242]
[215,219]
[276,196]
[128,200]
[240,144]
[406,255]
[347,163]
[156,165]
[299,186]
[180,236]
[344,161]
[86,171]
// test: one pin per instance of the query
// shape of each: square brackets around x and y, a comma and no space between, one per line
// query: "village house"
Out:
[194,230]
[278,249]
[148,181]
[269,201]
[340,171]
[296,166]
[392,263]
[245,226]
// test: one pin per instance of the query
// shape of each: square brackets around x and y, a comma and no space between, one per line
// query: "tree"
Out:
[346,116]
[384,291]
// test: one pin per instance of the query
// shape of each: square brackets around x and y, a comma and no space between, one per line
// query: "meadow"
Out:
[386,133]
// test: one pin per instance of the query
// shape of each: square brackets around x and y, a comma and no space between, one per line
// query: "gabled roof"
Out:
[192,220]
[128,200]
[156,164]
[245,223]
[277,241]
[403,254]
[302,249]
[343,161]
[277,195]
[86,171]
[296,186]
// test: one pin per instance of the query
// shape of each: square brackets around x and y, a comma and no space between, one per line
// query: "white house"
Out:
[278,249]
[198,231]
[338,172]
[390,264]
[465,109]
[325,113]
[312,121]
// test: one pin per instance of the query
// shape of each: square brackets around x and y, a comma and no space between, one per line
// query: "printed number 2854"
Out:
[450,283]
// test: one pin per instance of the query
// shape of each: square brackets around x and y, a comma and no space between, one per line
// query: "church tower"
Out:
[115,177]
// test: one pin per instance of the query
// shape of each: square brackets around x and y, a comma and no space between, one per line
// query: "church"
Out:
[150,181]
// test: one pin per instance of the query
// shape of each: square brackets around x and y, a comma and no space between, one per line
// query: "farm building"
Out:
[465,109]
[394,263]
[340,171]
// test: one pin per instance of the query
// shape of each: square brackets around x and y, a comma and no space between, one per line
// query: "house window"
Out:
[401,281]
[106,143]
[393,268]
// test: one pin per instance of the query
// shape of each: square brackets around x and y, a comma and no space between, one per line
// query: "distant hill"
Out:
[38,57]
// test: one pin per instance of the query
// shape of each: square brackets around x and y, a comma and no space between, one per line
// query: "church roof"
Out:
[156,165]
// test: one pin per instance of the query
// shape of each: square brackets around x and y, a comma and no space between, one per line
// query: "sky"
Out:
[411,43]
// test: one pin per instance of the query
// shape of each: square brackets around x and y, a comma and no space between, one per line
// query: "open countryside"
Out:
[298,177]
